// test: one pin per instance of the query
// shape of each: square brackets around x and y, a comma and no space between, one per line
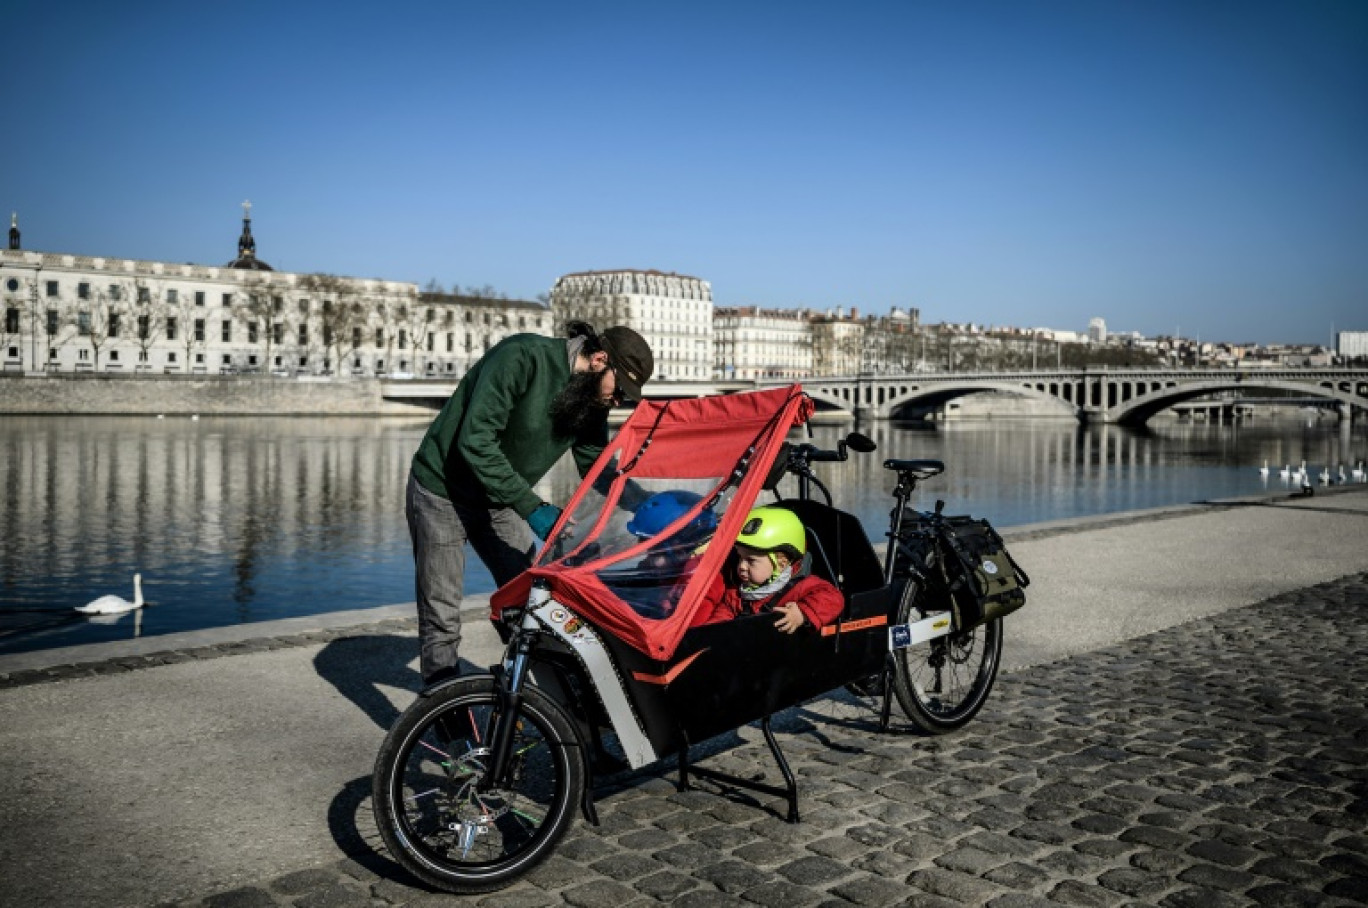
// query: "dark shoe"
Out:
[442,674]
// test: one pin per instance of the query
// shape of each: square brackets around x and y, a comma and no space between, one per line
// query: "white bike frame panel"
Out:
[936,624]
[584,642]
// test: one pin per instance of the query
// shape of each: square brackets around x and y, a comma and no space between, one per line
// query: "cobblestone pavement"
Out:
[1224,762]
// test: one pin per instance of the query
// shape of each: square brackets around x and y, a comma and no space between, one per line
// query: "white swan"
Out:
[1285,472]
[1325,476]
[1341,474]
[1357,472]
[115,605]
[1263,471]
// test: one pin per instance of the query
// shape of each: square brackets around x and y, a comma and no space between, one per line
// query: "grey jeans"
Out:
[440,530]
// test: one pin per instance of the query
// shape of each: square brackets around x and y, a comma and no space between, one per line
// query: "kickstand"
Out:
[886,709]
[789,791]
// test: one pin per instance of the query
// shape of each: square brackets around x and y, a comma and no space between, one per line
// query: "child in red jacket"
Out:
[772,576]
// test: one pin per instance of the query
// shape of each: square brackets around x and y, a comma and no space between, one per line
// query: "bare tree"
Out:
[581,299]
[100,319]
[414,322]
[338,313]
[896,346]
[360,318]
[384,324]
[184,324]
[850,350]
[149,310]
[58,321]
[300,338]
[19,308]
[258,306]
[487,292]
[874,345]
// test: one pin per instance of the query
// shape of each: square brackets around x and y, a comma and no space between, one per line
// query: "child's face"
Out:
[753,567]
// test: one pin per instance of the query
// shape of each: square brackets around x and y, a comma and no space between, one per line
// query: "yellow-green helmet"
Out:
[772,529]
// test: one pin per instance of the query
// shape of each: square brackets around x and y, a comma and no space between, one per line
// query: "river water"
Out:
[237,520]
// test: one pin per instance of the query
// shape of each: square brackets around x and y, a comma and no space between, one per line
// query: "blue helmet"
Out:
[664,508]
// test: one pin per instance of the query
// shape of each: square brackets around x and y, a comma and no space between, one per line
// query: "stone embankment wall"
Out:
[206,395]
[994,405]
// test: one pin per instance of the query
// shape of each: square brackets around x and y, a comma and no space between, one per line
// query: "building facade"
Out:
[673,312]
[460,329]
[1351,344]
[838,343]
[76,313]
[750,343]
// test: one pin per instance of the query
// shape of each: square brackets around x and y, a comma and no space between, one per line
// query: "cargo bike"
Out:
[606,662]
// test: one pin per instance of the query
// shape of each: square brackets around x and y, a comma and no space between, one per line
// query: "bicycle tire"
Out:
[943,683]
[430,815]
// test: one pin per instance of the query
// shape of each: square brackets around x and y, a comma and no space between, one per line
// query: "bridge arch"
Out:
[1138,410]
[911,396]
[1100,395]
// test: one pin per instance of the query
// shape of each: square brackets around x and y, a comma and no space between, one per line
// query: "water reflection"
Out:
[234,520]
[229,520]
[1019,472]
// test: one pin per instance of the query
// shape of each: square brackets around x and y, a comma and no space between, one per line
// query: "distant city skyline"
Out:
[1168,166]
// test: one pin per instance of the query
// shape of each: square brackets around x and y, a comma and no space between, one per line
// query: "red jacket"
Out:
[819,601]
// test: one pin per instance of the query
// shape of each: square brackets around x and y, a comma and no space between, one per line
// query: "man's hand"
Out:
[543,519]
[790,617]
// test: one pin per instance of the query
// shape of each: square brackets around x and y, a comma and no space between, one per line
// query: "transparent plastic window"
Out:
[647,553]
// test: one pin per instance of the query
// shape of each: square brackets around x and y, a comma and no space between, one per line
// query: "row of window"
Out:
[13,321]
[144,295]
[52,290]
[228,363]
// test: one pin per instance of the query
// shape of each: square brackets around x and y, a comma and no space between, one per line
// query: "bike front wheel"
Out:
[943,683]
[434,816]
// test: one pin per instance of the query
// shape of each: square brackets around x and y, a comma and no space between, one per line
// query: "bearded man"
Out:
[519,408]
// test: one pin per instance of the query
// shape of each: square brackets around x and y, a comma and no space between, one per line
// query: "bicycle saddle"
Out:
[922,468]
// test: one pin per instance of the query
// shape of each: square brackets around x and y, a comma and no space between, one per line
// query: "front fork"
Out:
[509,679]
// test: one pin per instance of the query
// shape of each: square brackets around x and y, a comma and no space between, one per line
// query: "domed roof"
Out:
[249,262]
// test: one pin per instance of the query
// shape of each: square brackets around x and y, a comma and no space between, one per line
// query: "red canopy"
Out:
[719,449]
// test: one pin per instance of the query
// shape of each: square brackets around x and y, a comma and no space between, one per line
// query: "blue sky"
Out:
[1192,166]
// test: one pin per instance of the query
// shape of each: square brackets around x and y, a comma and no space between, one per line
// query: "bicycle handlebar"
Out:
[810,453]
[816,455]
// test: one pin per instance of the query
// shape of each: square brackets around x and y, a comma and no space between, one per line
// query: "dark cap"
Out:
[630,358]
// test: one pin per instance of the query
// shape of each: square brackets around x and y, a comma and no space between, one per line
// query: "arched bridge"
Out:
[1128,396]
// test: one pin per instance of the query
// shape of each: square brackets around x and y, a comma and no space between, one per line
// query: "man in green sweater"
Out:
[519,408]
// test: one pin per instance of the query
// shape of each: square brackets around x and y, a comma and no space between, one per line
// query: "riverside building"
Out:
[750,343]
[838,343]
[65,312]
[463,328]
[1352,345]
[673,312]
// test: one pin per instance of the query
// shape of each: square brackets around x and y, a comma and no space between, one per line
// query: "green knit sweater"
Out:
[494,438]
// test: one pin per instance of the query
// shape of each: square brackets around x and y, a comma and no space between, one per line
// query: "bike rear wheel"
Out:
[943,683]
[430,811]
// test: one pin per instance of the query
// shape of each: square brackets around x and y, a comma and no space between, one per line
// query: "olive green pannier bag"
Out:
[984,581]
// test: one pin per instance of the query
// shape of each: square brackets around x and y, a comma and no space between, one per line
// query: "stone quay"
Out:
[1181,721]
